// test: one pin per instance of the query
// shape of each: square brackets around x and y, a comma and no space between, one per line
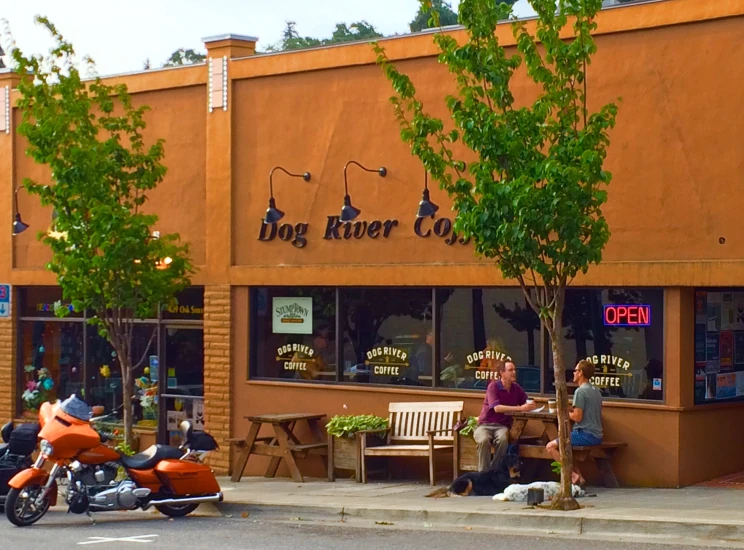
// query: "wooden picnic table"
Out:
[283,445]
[601,454]
[548,420]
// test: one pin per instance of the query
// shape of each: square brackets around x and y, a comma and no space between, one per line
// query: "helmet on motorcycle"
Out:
[77,408]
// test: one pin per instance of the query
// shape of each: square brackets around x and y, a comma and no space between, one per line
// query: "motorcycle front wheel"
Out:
[21,507]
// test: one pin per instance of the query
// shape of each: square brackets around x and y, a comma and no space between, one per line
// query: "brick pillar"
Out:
[217,386]
[8,379]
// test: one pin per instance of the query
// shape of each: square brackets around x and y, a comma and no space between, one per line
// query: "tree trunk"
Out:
[127,390]
[564,500]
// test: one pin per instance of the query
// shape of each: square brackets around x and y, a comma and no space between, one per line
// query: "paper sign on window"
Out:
[292,315]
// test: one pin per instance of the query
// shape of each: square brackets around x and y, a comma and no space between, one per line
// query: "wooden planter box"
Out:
[468,459]
[344,453]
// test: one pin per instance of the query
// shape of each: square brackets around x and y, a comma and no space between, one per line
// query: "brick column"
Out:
[217,386]
[8,371]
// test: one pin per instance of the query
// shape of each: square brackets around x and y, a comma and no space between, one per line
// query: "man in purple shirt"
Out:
[502,396]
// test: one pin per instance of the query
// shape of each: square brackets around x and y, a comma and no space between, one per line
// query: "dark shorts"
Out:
[580,438]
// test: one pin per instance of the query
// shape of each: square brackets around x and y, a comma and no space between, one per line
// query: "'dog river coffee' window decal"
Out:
[297,357]
[387,362]
[292,315]
[609,370]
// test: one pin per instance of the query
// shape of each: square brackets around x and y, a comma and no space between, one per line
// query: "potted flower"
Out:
[39,389]
[468,453]
[344,445]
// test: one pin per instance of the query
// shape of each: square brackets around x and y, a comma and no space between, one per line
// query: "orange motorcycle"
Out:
[171,479]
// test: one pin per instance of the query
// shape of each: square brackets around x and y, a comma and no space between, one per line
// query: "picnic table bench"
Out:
[417,429]
[283,445]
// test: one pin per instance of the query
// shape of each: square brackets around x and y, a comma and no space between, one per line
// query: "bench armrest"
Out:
[445,430]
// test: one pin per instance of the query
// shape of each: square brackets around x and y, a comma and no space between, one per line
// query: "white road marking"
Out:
[137,538]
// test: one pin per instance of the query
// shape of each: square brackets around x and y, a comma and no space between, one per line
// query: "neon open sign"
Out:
[627,316]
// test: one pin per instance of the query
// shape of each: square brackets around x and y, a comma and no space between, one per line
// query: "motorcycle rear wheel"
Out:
[176,511]
[21,508]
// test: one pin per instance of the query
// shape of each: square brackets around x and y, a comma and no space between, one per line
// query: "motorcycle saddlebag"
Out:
[7,471]
[23,439]
[183,477]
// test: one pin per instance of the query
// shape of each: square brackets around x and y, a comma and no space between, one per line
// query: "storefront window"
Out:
[104,374]
[294,333]
[719,345]
[622,332]
[388,336]
[52,359]
[479,328]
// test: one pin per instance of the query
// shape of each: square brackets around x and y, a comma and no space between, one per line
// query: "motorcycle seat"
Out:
[147,460]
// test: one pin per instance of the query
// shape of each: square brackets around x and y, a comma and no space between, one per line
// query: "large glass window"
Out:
[294,333]
[388,336]
[621,331]
[719,345]
[480,328]
[52,359]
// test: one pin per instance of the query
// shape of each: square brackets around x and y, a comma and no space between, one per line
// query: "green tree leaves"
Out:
[105,256]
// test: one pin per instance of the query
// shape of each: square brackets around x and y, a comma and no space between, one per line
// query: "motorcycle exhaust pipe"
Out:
[186,500]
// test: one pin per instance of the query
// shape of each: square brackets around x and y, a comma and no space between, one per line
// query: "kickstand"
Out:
[90,517]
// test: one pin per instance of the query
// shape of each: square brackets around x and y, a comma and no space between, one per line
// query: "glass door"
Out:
[182,380]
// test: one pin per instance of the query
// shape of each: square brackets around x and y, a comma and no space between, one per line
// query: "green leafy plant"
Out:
[348,425]
[531,200]
[469,428]
[105,255]
[556,467]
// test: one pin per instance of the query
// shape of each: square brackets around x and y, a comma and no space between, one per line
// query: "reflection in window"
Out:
[480,328]
[104,382]
[628,359]
[294,333]
[388,336]
[52,357]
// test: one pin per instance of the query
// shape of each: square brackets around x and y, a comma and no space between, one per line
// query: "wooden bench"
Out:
[417,429]
[601,454]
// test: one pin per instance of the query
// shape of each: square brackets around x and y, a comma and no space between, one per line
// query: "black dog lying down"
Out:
[488,483]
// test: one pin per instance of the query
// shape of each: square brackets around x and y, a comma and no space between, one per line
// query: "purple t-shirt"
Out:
[496,394]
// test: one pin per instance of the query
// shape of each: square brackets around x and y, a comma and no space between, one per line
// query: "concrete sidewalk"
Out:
[699,515]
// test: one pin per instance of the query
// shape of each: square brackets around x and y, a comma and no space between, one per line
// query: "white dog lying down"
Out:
[518,493]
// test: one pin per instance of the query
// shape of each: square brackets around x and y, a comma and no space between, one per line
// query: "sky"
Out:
[120,36]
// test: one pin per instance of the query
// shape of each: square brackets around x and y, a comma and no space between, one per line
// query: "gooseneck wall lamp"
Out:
[18,225]
[349,212]
[273,214]
[426,208]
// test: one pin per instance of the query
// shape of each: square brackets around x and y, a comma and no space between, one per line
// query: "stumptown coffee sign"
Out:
[336,230]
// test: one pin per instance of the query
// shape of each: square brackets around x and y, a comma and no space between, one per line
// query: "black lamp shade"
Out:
[273,214]
[426,208]
[18,225]
[348,212]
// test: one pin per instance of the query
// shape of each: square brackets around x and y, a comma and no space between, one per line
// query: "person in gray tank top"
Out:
[586,415]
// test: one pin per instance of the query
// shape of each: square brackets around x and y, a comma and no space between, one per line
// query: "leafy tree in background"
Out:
[532,200]
[424,20]
[291,39]
[105,256]
[184,56]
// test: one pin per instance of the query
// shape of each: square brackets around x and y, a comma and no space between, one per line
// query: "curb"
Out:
[523,521]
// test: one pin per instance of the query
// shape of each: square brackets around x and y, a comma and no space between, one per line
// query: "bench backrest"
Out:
[412,421]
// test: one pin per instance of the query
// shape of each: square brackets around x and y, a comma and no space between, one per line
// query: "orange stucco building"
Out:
[660,315]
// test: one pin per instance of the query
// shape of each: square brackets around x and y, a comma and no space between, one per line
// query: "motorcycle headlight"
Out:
[46,448]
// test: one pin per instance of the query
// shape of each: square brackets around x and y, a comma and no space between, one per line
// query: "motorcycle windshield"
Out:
[77,408]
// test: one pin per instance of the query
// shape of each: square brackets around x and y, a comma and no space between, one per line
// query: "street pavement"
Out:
[60,531]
